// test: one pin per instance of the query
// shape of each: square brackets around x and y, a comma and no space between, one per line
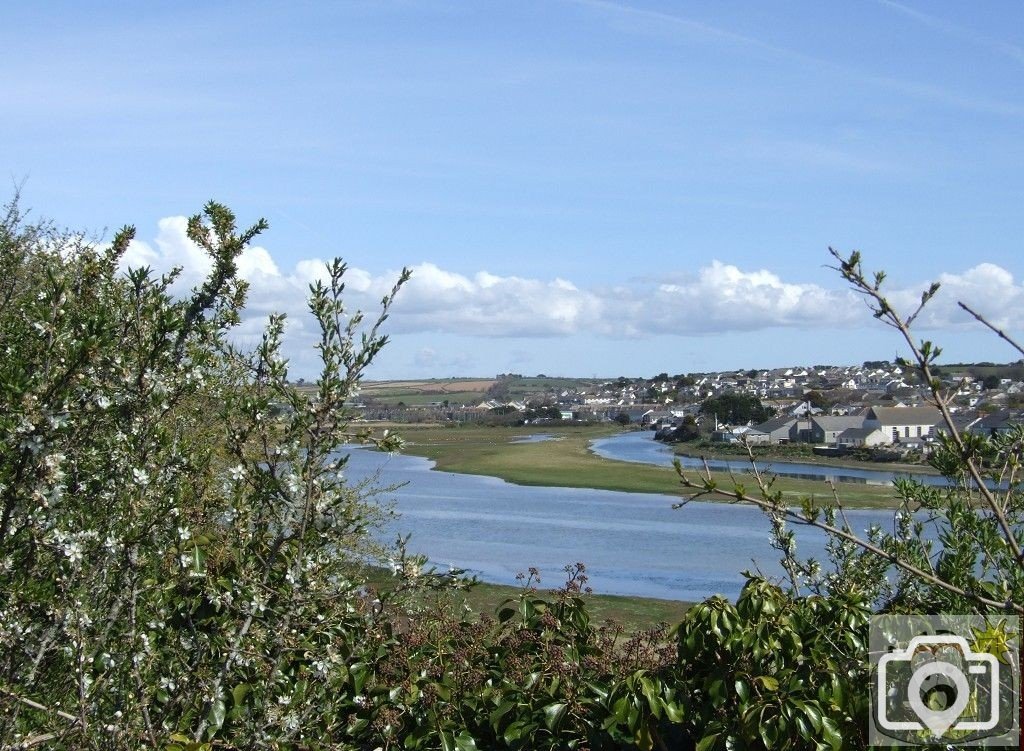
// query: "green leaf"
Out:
[743,691]
[674,712]
[215,718]
[239,692]
[553,715]
[771,684]
[518,730]
[813,713]
[708,742]
[830,733]
[643,738]
[502,709]
[465,742]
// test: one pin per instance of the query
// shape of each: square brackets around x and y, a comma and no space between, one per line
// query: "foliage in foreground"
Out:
[177,539]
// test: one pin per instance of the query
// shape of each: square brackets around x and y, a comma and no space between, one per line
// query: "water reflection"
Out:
[632,543]
[535,438]
[642,448]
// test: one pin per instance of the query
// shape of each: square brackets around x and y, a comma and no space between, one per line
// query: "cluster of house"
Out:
[871,405]
[907,427]
[880,405]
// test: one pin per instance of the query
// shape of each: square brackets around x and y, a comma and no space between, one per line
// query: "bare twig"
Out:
[998,331]
[792,514]
[850,270]
[42,708]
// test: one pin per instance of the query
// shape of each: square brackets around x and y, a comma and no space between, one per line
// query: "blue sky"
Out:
[581,187]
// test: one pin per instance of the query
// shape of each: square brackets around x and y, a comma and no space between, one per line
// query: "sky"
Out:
[580,187]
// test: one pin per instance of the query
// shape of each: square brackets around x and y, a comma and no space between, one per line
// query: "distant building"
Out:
[825,429]
[852,438]
[903,422]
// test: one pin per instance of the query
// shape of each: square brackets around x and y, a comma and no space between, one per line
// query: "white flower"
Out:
[141,476]
[237,472]
[102,401]
[73,550]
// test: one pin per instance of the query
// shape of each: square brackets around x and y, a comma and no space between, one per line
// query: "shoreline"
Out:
[570,462]
[821,461]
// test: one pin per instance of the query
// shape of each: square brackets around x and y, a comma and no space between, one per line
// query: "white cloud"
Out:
[716,299]
[722,297]
[988,289]
[439,300]
[255,262]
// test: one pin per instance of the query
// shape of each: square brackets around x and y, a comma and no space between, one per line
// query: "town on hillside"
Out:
[878,404]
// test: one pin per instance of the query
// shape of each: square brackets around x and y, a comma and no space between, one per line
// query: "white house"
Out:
[903,422]
[858,437]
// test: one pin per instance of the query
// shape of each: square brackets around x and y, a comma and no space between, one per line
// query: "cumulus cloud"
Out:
[722,297]
[715,299]
[988,289]
[489,305]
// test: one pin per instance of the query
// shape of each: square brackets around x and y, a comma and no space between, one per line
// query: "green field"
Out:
[632,613]
[568,462]
[459,391]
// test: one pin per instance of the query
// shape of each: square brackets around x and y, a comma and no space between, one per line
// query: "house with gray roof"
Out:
[903,422]
[780,429]
[825,429]
[852,438]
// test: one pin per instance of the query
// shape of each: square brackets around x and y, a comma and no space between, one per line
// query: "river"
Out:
[641,447]
[632,543]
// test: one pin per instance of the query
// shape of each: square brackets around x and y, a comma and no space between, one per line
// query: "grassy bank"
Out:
[568,462]
[632,613]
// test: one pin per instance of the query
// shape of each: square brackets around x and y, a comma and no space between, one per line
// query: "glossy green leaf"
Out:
[554,714]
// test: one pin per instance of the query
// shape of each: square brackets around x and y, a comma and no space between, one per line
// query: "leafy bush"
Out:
[774,671]
[176,530]
[177,542]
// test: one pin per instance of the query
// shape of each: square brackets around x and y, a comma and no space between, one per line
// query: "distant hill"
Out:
[1013,370]
[470,390]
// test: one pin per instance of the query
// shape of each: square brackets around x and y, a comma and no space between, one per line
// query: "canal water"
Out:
[632,543]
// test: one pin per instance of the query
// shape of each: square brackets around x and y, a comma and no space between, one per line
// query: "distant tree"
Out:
[818,399]
[499,390]
[688,430]
[622,418]
[990,383]
[545,411]
[737,409]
